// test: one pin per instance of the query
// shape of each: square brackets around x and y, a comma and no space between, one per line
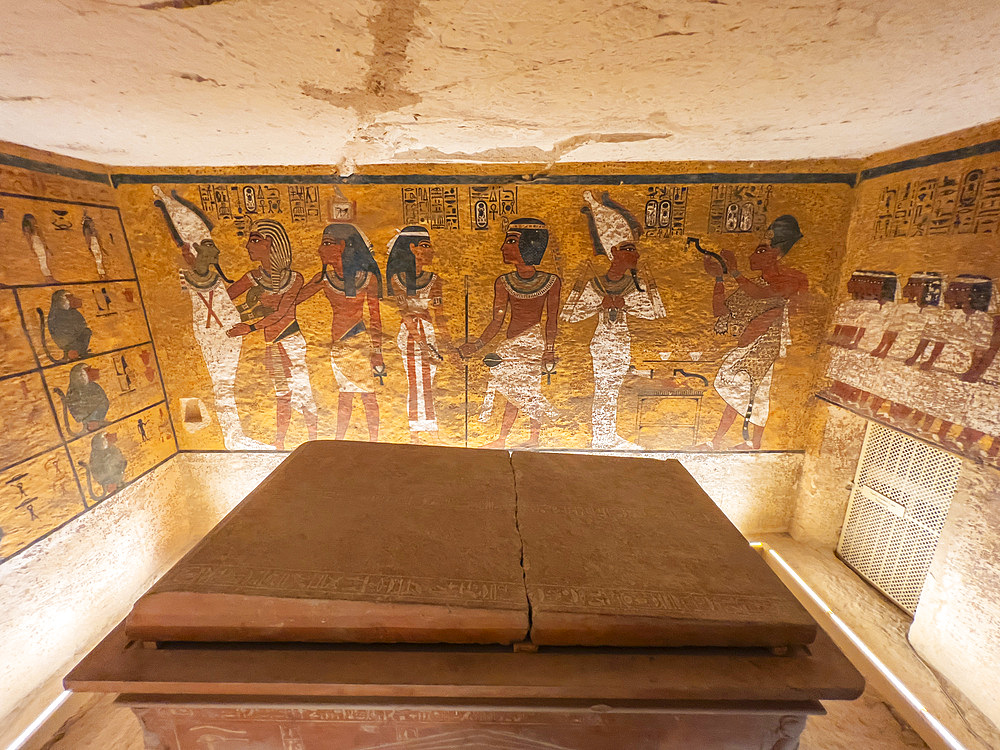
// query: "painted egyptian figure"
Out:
[614,297]
[212,312]
[755,313]
[29,228]
[529,349]
[423,335]
[92,237]
[350,278]
[272,292]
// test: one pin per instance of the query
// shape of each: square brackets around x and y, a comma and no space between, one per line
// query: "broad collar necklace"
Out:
[201,282]
[536,286]
[264,280]
[337,282]
[616,287]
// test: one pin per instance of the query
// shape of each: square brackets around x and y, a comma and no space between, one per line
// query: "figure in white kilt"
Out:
[756,315]
[517,366]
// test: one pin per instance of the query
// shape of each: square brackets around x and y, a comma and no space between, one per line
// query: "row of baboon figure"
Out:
[924,354]
[526,300]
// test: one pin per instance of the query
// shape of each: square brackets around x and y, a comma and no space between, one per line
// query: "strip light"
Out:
[947,737]
[34,726]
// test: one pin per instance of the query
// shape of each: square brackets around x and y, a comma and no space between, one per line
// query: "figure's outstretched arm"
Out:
[286,306]
[500,300]
[311,287]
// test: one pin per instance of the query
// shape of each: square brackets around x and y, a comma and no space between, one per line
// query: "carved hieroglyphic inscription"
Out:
[327,584]
[403,728]
[636,601]
[963,203]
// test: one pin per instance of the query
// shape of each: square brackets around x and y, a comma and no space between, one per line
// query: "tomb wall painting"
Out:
[82,408]
[916,331]
[474,307]
[925,211]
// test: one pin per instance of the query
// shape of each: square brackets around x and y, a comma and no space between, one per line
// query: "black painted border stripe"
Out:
[979,149]
[845,178]
[34,165]
[59,200]
[90,433]
[93,355]
[804,178]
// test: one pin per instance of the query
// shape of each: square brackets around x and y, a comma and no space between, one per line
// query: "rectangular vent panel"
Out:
[900,499]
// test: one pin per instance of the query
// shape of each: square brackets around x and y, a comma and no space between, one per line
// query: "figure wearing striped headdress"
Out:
[271,297]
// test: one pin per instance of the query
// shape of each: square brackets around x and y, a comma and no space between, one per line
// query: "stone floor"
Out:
[864,724]
[867,723]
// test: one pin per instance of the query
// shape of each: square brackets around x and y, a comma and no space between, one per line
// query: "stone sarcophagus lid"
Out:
[377,596]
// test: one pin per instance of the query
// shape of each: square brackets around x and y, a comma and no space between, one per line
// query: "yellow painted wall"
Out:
[44,449]
[931,207]
[915,210]
[658,412]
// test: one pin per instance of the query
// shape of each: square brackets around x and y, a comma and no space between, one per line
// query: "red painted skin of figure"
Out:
[625,259]
[958,296]
[524,313]
[259,249]
[347,313]
[779,281]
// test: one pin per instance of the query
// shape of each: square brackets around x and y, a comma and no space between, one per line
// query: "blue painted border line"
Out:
[41,166]
[804,178]
[979,149]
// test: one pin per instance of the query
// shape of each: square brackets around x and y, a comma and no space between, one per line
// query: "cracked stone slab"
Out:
[633,553]
[352,542]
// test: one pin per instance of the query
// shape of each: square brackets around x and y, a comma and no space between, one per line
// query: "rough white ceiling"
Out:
[220,82]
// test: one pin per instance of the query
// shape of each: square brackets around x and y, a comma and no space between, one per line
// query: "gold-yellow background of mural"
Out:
[667,419]
[45,453]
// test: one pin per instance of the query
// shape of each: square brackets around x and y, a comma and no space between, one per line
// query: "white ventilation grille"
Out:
[901,495]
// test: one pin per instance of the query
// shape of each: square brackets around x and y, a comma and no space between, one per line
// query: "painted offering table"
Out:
[387,596]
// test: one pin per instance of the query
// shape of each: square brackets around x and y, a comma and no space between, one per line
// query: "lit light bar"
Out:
[33,727]
[947,737]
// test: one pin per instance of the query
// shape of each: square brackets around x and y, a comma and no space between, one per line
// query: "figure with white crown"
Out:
[213,312]
[614,297]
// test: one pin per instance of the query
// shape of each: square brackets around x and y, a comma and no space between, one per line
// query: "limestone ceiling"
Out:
[195,82]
